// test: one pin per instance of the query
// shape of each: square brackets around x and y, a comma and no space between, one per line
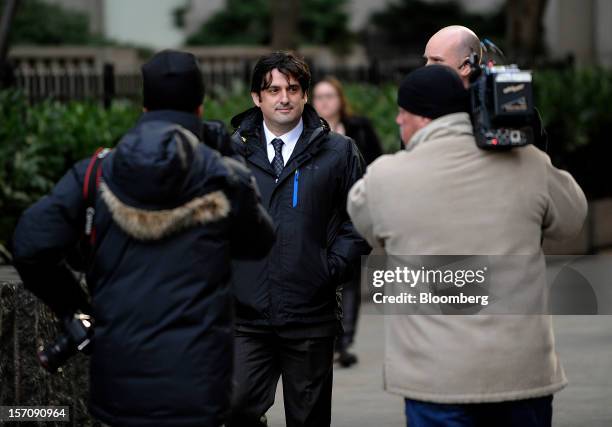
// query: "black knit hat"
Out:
[433,91]
[172,80]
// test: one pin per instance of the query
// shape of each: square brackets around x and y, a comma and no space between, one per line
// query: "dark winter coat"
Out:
[361,131]
[159,278]
[296,283]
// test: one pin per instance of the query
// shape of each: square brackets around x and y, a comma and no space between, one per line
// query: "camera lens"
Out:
[55,355]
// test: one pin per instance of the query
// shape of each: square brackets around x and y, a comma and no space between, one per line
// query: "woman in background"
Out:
[331,104]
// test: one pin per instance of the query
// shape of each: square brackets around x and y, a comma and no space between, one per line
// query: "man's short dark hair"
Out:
[286,63]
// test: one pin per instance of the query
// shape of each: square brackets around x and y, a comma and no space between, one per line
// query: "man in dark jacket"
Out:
[169,215]
[286,304]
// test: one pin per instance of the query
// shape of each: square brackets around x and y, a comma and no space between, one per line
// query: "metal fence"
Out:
[67,81]
[64,81]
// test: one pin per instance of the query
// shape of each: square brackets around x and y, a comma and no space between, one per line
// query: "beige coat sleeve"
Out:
[359,210]
[567,206]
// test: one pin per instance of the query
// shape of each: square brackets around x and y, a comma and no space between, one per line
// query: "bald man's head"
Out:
[453,46]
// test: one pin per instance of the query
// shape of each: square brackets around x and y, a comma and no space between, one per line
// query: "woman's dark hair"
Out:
[286,63]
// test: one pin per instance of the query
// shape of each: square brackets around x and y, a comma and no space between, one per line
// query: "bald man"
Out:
[452,46]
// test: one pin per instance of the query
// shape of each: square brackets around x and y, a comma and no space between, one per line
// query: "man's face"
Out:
[282,103]
[409,124]
[444,48]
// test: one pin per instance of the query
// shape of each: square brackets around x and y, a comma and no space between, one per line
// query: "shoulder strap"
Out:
[90,187]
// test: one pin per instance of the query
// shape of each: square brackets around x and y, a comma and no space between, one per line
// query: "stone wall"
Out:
[25,324]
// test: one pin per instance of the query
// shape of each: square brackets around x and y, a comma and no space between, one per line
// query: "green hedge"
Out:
[575,104]
[577,111]
[39,143]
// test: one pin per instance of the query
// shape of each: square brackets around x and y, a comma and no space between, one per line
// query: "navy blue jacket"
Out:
[159,279]
[296,283]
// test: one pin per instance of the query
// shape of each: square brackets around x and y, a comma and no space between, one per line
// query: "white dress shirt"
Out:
[290,139]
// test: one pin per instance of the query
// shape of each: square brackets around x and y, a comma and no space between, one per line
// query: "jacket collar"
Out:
[189,121]
[249,136]
[289,138]
[451,125]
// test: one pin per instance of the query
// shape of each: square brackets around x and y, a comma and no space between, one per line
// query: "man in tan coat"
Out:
[450,198]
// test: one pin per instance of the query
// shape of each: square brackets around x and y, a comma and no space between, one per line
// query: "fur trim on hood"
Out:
[155,225]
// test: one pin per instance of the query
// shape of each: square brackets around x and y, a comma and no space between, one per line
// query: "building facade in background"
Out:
[577,28]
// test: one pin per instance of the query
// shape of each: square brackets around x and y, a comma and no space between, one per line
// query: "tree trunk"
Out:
[285,19]
[6,20]
[8,14]
[525,30]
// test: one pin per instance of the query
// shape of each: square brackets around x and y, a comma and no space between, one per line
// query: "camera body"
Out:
[78,332]
[502,108]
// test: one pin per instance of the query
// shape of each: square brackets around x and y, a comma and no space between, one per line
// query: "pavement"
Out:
[584,344]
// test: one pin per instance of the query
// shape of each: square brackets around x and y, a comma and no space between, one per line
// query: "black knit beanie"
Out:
[433,91]
[172,80]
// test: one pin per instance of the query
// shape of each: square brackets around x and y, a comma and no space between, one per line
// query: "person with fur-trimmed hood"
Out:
[170,214]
